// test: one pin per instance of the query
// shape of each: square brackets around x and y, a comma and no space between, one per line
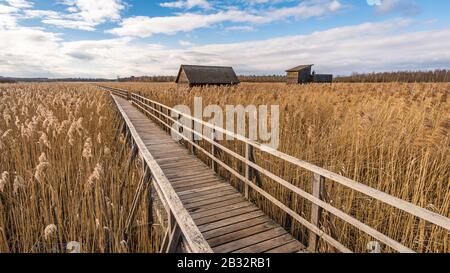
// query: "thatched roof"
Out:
[300,68]
[197,74]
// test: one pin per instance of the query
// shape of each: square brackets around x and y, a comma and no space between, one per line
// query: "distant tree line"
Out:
[440,75]
[249,78]
[6,80]
[148,79]
[80,80]
[15,80]
[267,78]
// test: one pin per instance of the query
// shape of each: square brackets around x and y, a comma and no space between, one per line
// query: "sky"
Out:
[111,38]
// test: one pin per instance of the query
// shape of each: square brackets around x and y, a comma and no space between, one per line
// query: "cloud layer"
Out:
[364,47]
[39,52]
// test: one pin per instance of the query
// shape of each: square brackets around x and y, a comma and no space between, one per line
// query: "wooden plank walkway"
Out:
[228,222]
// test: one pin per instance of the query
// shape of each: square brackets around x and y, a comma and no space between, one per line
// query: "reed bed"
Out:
[66,179]
[393,137]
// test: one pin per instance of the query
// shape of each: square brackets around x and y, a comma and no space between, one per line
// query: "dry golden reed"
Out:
[55,193]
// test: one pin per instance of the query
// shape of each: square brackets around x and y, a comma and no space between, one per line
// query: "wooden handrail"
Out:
[412,209]
[415,210]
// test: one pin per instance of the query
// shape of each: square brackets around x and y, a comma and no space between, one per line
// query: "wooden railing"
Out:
[182,235]
[164,116]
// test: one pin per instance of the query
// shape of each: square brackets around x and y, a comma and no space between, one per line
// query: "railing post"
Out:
[155,113]
[318,189]
[180,127]
[193,136]
[213,150]
[128,95]
[169,115]
[248,169]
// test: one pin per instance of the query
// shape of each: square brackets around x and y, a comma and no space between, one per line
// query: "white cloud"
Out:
[187,4]
[365,47]
[373,2]
[306,9]
[20,3]
[7,9]
[407,7]
[185,43]
[240,28]
[35,13]
[28,51]
[7,21]
[83,14]
[144,26]
[95,12]
[72,24]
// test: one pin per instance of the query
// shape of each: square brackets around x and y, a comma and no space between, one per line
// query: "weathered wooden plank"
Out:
[290,247]
[217,205]
[180,158]
[201,197]
[194,183]
[194,203]
[190,173]
[161,151]
[251,240]
[220,210]
[182,164]
[198,186]
[218,187]
[229,221]
[183,184]
[267,245]
[177,177]
[225,215]
[180,181]
[236,227]
[185,167]
[243,233]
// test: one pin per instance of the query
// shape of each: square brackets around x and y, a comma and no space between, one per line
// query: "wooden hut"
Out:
[194,75]
[302,74]
[299,74]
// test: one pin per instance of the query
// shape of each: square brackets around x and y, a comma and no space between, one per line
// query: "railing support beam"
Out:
[318,190]
[248,170]
[213,151]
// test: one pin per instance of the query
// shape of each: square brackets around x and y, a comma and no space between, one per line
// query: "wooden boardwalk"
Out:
[227,221]
[205,214]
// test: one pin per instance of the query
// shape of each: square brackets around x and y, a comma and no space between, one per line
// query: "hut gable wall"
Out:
[292,77]
[183,78]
